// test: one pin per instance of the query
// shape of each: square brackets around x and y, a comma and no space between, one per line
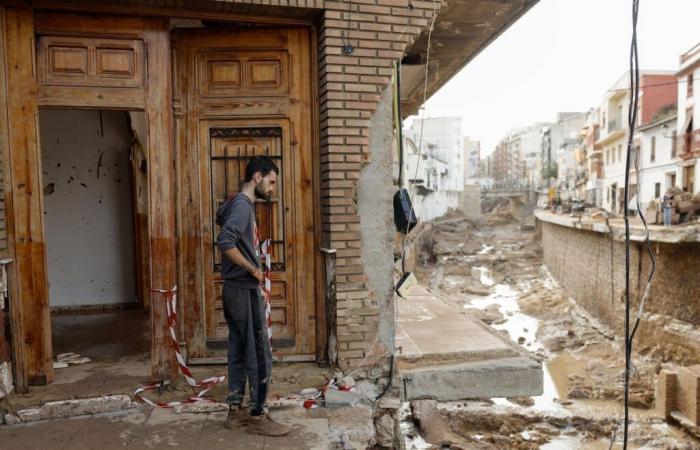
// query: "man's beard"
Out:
[260,192]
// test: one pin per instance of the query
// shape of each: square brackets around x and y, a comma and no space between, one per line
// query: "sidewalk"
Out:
[446,355]
[161,428]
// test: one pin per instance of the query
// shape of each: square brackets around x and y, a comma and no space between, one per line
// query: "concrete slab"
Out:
[446,355]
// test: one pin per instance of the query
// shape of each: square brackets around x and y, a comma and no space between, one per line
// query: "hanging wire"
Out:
[632,153]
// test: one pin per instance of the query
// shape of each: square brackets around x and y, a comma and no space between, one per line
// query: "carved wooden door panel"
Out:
[246,94]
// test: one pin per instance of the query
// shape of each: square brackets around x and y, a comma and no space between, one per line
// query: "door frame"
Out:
[26,92]
[186,170]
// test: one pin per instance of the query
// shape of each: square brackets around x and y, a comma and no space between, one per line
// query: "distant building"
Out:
[434,165]
[689,119]
[592,160]
[658,159]
[657,90]
[472,158]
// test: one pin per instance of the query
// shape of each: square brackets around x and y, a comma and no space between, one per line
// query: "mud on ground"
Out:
[493,270]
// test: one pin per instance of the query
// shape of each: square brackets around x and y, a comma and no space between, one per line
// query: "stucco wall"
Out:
[591,269]
[87,201]
[375,194]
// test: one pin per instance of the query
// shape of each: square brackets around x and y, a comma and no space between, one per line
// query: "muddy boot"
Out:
[237,417]
[266,426]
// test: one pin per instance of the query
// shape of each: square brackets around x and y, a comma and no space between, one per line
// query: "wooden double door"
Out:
[239,94]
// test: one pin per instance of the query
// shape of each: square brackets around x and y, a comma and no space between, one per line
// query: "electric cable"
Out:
[633,152]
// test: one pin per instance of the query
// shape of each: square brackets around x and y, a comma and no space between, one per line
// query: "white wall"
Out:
[435,204]
[663,165]
[88,219]
[445,133]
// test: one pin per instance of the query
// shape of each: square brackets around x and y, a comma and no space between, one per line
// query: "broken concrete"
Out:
[336,398]
[200,407]
[6,385]
[445,355]
[71,408]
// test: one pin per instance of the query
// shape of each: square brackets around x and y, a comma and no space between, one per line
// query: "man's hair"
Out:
[262,164]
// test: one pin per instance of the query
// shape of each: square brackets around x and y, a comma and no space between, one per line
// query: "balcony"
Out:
[614,124]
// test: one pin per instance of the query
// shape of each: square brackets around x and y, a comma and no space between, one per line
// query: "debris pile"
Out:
[64,360]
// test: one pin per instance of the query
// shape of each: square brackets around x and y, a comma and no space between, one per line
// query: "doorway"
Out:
[92,188]
[252,95]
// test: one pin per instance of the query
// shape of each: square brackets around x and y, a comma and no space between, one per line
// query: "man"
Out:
[249,353]
[667,208]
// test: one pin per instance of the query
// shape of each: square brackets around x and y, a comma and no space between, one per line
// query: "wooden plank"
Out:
[91,97]
[322,315]
[256,15]
[31,300]
[241,107]
[305,227]
[161,213]
[16,325]
[89,25]
[189,223]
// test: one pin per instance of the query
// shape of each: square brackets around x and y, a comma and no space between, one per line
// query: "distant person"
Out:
[667,208]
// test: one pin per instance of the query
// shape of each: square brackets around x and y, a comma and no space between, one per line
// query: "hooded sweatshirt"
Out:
[236,217]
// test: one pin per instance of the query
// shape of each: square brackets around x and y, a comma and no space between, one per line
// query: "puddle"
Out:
[485,249]
[522,330]
[573,443]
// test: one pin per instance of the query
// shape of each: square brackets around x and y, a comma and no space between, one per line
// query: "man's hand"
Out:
[258,274]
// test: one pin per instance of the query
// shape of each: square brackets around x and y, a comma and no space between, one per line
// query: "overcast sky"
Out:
[562,55]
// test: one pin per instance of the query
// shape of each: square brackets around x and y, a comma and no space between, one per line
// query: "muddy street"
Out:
[492,269]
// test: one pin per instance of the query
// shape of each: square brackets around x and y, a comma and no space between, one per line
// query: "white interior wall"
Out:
[88,211]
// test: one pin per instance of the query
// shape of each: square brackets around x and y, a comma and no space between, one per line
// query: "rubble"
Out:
[71,408]
[6,385]
[336,398]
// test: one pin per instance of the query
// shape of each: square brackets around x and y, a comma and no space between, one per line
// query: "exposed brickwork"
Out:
[665,397]
[679,390]
[350,88]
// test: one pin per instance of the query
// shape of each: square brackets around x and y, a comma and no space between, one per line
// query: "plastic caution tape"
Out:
[200,387]
[267,284]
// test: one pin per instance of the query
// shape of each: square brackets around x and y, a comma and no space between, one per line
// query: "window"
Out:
[607,157]
[690,84]
[652,152]
[657,190]
[619,153]
[674,143]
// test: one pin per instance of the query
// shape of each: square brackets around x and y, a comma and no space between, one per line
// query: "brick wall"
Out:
[350,89]
[580,261]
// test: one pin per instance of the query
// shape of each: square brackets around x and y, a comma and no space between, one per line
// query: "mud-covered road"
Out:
[492,269]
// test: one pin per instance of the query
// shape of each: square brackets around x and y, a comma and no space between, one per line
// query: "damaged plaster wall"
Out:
[375,209]
[88,207]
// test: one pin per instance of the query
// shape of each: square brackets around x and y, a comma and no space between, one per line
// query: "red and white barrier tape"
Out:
[171,306]
[201,387]
[267,284]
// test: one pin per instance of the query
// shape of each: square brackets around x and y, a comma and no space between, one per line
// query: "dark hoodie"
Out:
[236,217]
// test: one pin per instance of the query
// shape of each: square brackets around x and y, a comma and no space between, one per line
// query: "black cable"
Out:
[632,119]
[391,377]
